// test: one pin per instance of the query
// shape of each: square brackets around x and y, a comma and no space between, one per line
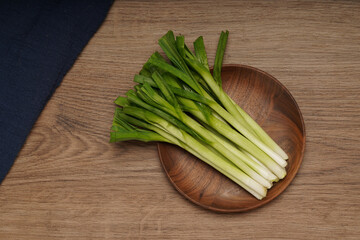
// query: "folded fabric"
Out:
[39,42]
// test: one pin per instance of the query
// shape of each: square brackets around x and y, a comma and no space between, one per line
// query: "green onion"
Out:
[184,104]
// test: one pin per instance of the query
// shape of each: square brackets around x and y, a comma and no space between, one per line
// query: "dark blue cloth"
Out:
[39,42]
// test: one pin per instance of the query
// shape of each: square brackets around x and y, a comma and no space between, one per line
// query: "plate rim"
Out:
[265,200]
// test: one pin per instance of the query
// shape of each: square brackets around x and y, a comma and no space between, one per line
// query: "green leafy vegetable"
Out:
[182,103]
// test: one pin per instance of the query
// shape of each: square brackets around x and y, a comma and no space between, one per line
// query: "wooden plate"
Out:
[273,107]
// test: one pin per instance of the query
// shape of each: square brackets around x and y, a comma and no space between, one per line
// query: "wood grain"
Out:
[70,183]
[267,101]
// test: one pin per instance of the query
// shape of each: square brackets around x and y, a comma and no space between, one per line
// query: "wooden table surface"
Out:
[70,183]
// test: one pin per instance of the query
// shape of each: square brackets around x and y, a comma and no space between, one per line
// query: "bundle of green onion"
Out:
[182,103]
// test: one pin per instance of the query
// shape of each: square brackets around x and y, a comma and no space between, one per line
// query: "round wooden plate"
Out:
[272,106]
